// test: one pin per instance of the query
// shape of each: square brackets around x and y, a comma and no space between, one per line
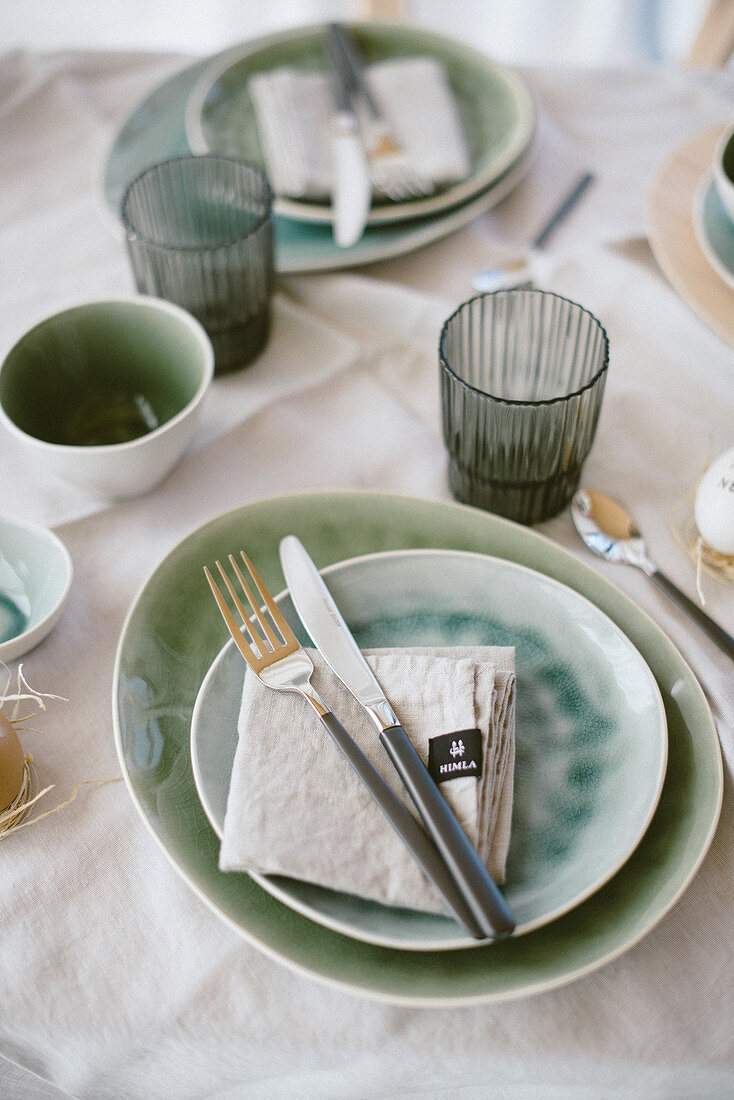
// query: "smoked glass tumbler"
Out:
[522,380]
[199,233]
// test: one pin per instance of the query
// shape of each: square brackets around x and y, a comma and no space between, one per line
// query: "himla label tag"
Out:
[455,755]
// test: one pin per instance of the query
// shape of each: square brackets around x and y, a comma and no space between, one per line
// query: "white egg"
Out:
[714,505]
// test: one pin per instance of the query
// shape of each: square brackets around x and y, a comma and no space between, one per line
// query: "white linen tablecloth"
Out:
[116,981]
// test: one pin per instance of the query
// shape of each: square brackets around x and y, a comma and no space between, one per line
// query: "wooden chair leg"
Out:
[390,11]
[714,43]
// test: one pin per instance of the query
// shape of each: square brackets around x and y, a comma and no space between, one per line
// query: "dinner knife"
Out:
[330,634]
[352,186]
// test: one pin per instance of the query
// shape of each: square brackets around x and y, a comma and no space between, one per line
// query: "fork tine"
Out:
[259,644]
[232,624]
[278,617]
[271,636]
[263,644]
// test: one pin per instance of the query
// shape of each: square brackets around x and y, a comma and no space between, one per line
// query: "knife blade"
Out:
[330,634]
[351,187]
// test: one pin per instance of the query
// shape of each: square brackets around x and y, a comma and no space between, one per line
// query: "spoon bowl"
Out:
[608,530]
[522,271]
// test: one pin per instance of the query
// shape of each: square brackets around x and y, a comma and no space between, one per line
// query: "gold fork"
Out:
[275,655]
[391,170]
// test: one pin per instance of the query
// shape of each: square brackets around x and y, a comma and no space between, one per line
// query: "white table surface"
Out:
[116,981]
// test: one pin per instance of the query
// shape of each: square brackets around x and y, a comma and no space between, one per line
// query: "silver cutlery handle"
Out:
[480,891]
[714,631]
[407,828]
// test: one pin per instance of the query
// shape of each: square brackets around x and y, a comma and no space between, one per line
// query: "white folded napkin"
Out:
[293,109]
[296,808]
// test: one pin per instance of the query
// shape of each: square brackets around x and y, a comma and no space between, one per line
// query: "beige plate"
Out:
[673,238]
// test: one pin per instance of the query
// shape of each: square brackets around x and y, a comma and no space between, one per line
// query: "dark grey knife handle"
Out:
[714,631]
[471,876]
[343,41]
[342,80]
[407,828]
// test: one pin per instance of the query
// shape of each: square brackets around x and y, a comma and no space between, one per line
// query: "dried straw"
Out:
[15,817]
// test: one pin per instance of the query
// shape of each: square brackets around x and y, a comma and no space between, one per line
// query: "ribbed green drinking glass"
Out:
[522,379]
[199,233]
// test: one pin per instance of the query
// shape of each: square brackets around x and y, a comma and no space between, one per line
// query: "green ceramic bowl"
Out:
[723,171]
[35,578]
[106,394]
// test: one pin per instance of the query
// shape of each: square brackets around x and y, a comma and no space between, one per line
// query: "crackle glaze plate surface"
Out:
[494,105]
[591,738]
[173,633]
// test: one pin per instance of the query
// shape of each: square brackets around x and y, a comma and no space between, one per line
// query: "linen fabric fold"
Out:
[293,110]
[296,808]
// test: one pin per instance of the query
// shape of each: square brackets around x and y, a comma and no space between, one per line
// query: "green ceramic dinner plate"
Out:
[591,737]
[496,111]
[172,635]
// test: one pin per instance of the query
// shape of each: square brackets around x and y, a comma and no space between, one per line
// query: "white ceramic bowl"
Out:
[723,171]
[35,577]
[80,387]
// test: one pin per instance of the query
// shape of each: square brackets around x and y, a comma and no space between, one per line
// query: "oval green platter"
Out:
[174,631]
[155,131]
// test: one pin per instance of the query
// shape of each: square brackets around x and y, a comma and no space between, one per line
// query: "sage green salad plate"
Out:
[495,109]
[174,632]
[591,739]
[155,131]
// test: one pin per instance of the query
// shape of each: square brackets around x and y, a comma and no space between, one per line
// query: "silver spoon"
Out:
[516,273]
[606,529]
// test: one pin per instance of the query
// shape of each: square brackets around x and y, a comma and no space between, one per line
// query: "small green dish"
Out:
[35,577]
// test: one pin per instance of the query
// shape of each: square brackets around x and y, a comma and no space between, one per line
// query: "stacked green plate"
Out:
[173,634]
[590,748]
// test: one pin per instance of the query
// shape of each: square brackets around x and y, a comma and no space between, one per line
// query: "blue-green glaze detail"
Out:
[35,578]
[172,635]
[13,621]
[716,230]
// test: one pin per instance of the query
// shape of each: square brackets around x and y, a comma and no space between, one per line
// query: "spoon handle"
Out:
[562,211]
[714,631]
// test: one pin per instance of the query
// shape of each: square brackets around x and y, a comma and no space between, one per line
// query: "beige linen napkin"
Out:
[293,110]
[296,808]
